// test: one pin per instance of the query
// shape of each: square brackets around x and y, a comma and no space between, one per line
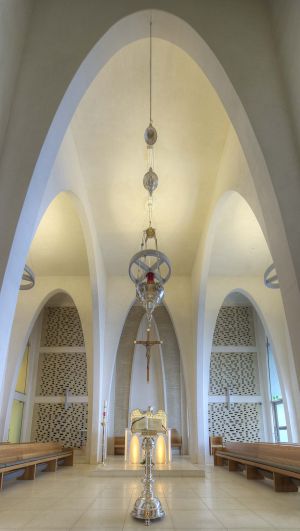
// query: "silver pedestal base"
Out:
[148,509]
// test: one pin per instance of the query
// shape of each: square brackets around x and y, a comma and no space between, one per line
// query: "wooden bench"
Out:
[119,445]
[28,456]
[176,439]
[279,462]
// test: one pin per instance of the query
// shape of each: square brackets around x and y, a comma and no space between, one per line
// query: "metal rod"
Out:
[150,71]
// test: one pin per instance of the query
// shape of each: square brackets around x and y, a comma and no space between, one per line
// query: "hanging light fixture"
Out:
[28,279]
[150,269]
[271,277]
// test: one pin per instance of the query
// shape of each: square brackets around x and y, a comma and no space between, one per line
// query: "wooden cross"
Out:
[148,344]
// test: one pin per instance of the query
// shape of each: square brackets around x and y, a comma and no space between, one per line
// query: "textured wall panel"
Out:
[57,373]
[51,422]
[238,372]
[234,327]
[62,327]
[238,422]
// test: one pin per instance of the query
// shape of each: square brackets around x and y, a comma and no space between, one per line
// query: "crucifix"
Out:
[148,344]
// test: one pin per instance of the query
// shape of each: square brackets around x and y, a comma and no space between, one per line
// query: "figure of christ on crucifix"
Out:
[148,344]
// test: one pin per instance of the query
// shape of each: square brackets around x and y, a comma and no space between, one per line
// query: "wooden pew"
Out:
[280,462]
[28,456]
[119,445]
[176,440]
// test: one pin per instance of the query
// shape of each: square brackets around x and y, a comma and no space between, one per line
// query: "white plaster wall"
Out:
[286,22]
[14,23]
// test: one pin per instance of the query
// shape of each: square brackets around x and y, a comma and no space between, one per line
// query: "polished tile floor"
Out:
[73,498]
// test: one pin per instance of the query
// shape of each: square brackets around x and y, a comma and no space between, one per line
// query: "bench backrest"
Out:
[284,453]
[119,440]
[10,453]
[175,437]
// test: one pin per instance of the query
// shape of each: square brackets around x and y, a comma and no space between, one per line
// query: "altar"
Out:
[133,448]
[147,420]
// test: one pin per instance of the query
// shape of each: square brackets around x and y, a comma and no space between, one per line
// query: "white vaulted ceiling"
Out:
[108,128]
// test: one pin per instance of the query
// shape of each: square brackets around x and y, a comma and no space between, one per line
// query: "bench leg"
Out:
[69,461]
[51,466]
[1,480]
[29,472]
[218,461]
[284,484]
[253,473]
[233,466]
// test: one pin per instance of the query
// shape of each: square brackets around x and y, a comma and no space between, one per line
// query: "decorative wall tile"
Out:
[234,327]
[238,422]
[238,372]
[51,422]
[58,372]
[62,327]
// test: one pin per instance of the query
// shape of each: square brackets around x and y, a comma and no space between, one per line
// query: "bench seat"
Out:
[278,462]
[28,456]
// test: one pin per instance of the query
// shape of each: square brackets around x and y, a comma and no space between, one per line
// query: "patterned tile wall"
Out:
[238,372]
[58,372]
[62,327]
[238,422]
[234,327]
[51,422]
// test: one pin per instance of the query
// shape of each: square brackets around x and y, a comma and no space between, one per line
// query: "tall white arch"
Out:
[268,305]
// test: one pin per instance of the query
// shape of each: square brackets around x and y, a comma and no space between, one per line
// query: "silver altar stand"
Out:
[148,507]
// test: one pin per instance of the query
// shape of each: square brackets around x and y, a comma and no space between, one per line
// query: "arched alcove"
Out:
[170,380]
[236,257]
[154,393]
[59,259]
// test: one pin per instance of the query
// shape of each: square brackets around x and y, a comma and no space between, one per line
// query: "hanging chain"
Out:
[150,72]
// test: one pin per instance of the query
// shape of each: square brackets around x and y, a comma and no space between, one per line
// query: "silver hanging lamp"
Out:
[149,268]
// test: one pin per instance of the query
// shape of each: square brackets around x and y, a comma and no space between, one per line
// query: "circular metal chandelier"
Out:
[28,279]
[271,277]
[149,268]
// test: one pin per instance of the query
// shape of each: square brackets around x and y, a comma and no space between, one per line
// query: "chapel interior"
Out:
[149,264]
